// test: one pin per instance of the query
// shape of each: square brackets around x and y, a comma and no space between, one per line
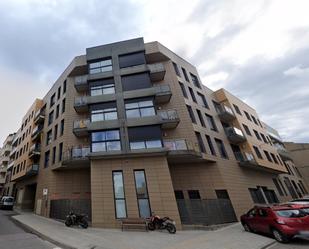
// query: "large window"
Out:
[200,142]
[120,201]
[257,152]
[105,111]
[105,141]
[202,100]
[221,148]
[176,69]
[129,60]
[135,81]
[145,137]
[49,137]
[257,135]
[195,80]
[210,145]
[142,193]
[106,86]
[192,94]
[100,66]
[247,129]
[136,108]
[199,114]
[183,89]
[191,114]
[46,159]
[184,72]
[50,117]
[211,122]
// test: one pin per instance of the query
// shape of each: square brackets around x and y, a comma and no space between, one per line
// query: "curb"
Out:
[40,235]
[269,245]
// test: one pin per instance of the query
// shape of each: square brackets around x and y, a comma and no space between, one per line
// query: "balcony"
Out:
[183,151]
[225,113]
[35,151]
[75,158]
[235,135]
[39,117]
[3,169]
[36,133]
[169,118]
[81,83]
[10,164]
[80,127]
[32,170]
[247,160]
[163,93]
[7,149]
[284,154]
[13,151]
[81,104]
[157,71]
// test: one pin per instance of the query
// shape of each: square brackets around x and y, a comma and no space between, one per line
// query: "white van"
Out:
[7,202]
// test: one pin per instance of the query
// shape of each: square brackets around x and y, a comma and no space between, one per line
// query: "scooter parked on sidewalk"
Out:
[73,219]
[155,222]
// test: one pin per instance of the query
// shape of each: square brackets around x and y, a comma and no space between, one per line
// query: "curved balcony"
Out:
[39,117]
[225,113]
[35,151]
[81,83]
[157,71]
[36,133]
[76,157]
[235,135]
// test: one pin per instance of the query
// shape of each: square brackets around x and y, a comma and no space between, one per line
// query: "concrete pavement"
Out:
[294,244]
[13,237]
[231,237]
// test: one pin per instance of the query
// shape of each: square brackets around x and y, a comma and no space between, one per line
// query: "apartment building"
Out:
[299,153]
[129,129]
[4,161]
[292,184]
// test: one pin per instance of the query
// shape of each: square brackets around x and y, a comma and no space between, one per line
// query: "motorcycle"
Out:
[155,222]
[76,219]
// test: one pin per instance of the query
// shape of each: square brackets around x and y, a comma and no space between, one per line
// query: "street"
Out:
[14,237]
[295,244]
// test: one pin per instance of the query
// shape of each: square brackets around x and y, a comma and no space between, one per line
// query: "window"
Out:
[105,141]
[192,94]
[191,114]
[62,127]
[264,138]
[135,81]
[59,92]
[274,158]
[211,123]
[142,193]
[194,194]
[46,159]
[202,100]
[257,152]
[136,108]
[55,132]
[57,111]
[60,152]
[54,155]
[247,129]
[221,148]
[119,196]
[106,86]
[179,195]
[50,117]
[199,114]
[257,135]
[100,66]
[200,142]
[278,186]
[260,123]
[184,72]
[183,89]
[134,59]
[280,183]
[63,105]
[222,194]
[102,112]
[254,120]
[195,80]
[267,156]
[176,69]
[49,137]
[64,86]
[237,109]
[270,195]
[247,115]
[257,195]
[210,145]
[52,100]
[145,137]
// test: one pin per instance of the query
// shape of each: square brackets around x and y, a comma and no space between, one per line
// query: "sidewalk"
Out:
[231,237]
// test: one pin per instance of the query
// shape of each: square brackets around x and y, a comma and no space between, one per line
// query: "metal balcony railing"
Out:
[77,153]
[162,88]
[81,80]
[170,114]
[230,131]
[179,145]
[80,101]
[244,157]
[81,124]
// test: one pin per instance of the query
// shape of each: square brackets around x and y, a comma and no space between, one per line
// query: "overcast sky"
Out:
[258,50]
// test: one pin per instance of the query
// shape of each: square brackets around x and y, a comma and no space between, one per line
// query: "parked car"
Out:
[7,202]
[282,221]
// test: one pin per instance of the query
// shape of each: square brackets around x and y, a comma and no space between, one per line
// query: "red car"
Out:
[282,221]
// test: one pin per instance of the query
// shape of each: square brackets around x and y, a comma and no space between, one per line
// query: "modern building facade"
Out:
[299,152]
[4,162]
[129,129]
[293,182]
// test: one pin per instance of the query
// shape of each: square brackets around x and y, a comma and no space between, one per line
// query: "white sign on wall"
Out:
[45,191]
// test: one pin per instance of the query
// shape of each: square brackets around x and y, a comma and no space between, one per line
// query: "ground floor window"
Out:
[142,193]
[119,196]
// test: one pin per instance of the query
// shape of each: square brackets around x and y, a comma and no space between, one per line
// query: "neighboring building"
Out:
[4,161]
[290,185]
[300,155]
[128,128]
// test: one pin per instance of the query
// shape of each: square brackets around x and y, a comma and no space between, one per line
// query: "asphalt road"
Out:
[14,237]
[294,244]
